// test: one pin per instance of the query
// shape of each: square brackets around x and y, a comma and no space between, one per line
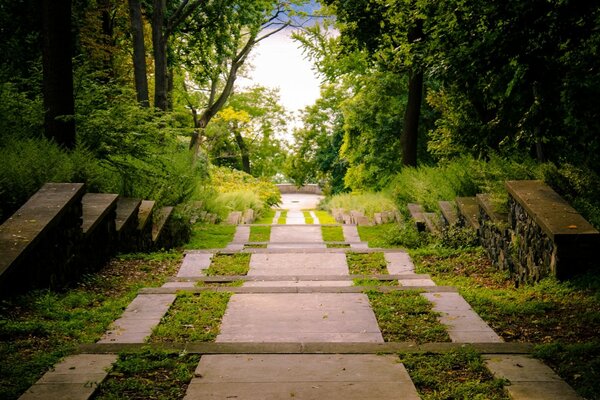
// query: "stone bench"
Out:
[416,213]
[40,237]
[550,236]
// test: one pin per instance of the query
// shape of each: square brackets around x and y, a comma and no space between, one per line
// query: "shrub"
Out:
[226,180]
[367,203]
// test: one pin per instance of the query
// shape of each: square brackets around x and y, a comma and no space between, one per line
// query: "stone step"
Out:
[416,212]
[433,223]
[127,223]
[99,209]
[468,211]
[321,376]
[40,236]
[145,223]
[159,226]
[529,379]
[449,214]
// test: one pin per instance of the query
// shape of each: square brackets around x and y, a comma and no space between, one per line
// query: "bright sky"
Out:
[278,62]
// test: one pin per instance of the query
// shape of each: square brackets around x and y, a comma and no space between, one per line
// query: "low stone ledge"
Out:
[285,188]
[40,237]
[145,222]
[99,231]
[449,214]
[416,212]
[550,238]
[468,210]
[126,223]
[299,289]
[494,233]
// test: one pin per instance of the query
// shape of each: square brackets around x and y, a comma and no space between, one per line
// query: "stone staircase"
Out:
[63,232]
[299,328]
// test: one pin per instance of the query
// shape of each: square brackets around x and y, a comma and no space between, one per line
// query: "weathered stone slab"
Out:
[138,319]
[463,324]
[432,222]
[530,379]
[315,218]
[301,376]
[234,218]
[351,234]
[76,378]
[296,234]
[193,265]
[145,224]
[298,264]
[295,218]
[416,282]
[297,283]
[416,213]
[162,216]
[449,214]
[126,223]
[242,235]
[305,317]
[398,263]
[468,211]
[96,207]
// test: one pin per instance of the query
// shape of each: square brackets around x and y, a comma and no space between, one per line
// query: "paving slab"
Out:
[297,283]
[139,319]
[462,323]
[301,376]
[416,282]
[296,234]
[276,217]
[76,378]
[315,218]
[350,233]
[399,263]
[299,201]
[530,379]
[295,218]
[301,317]
[298,264]
[194,264]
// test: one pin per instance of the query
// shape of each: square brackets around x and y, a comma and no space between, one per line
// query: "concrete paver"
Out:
[295,218]
[194,264]
[463,324]
[301,376]
[298,264]
[299,317]
[76,378]
[399,263]
[530,379]
[296,234]
[299,201]
[138,319]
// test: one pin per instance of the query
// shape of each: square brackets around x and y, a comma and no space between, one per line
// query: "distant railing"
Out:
[306,189]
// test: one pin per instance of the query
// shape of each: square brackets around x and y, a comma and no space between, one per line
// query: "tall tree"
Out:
[139,52]
[59,123]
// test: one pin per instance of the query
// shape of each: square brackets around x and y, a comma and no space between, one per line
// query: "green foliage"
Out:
[19,113]
[266,217]
[226,180]
[406,316]
[229,264]
[149,374]
[192,318]
[208,236]
[240,201]
[459,374]
[379,236]
[260,233]
[366,263]
[332,233]
[324,217]
[367,203]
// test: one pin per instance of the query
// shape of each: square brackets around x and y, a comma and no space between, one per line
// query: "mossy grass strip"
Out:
[193,317]
[266,217]
[332,233]
[229,264]
[458,374]
[282,217]
[308,218]
[149,375]
[208,236]
[260,233]
[337,245]
[406,316]
[324,217]
[366,263]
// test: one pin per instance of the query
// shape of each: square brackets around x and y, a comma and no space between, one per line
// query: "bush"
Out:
[406,235]
[226,180]
[367,203]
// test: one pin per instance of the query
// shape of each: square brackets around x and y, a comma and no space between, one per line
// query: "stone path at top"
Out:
[267,310]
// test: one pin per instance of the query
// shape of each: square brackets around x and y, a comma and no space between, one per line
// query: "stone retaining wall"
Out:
[286,188]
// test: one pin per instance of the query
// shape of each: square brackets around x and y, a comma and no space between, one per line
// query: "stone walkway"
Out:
[268,312]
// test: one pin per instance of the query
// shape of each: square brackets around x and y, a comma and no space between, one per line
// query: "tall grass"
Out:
[367,203]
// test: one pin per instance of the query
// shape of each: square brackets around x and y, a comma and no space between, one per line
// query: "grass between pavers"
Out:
[368,264]
[209,236]
[266,217]
[562,318]
[406,316]
[459,374]
[149,375]
[337,245]
[324,217]
[282,217]
[193,317]
[260,233]
[332,234]
[40,327]
[379,236]
[229,264]
[237,283]
[308,218]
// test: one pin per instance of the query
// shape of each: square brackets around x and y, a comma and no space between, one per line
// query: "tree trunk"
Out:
[58,72]
[139,53]
[243,150]
[159,43]
[408,140]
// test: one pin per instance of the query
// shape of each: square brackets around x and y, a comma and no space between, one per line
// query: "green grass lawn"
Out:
[308,218]
[324,217]
[332,234]
[368,264]
[406,316]
[149,375]
[260,233]
[282,217]
[267,217]
[229,264]
[378,236]
[40,327]
[193,317]
[208,236]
